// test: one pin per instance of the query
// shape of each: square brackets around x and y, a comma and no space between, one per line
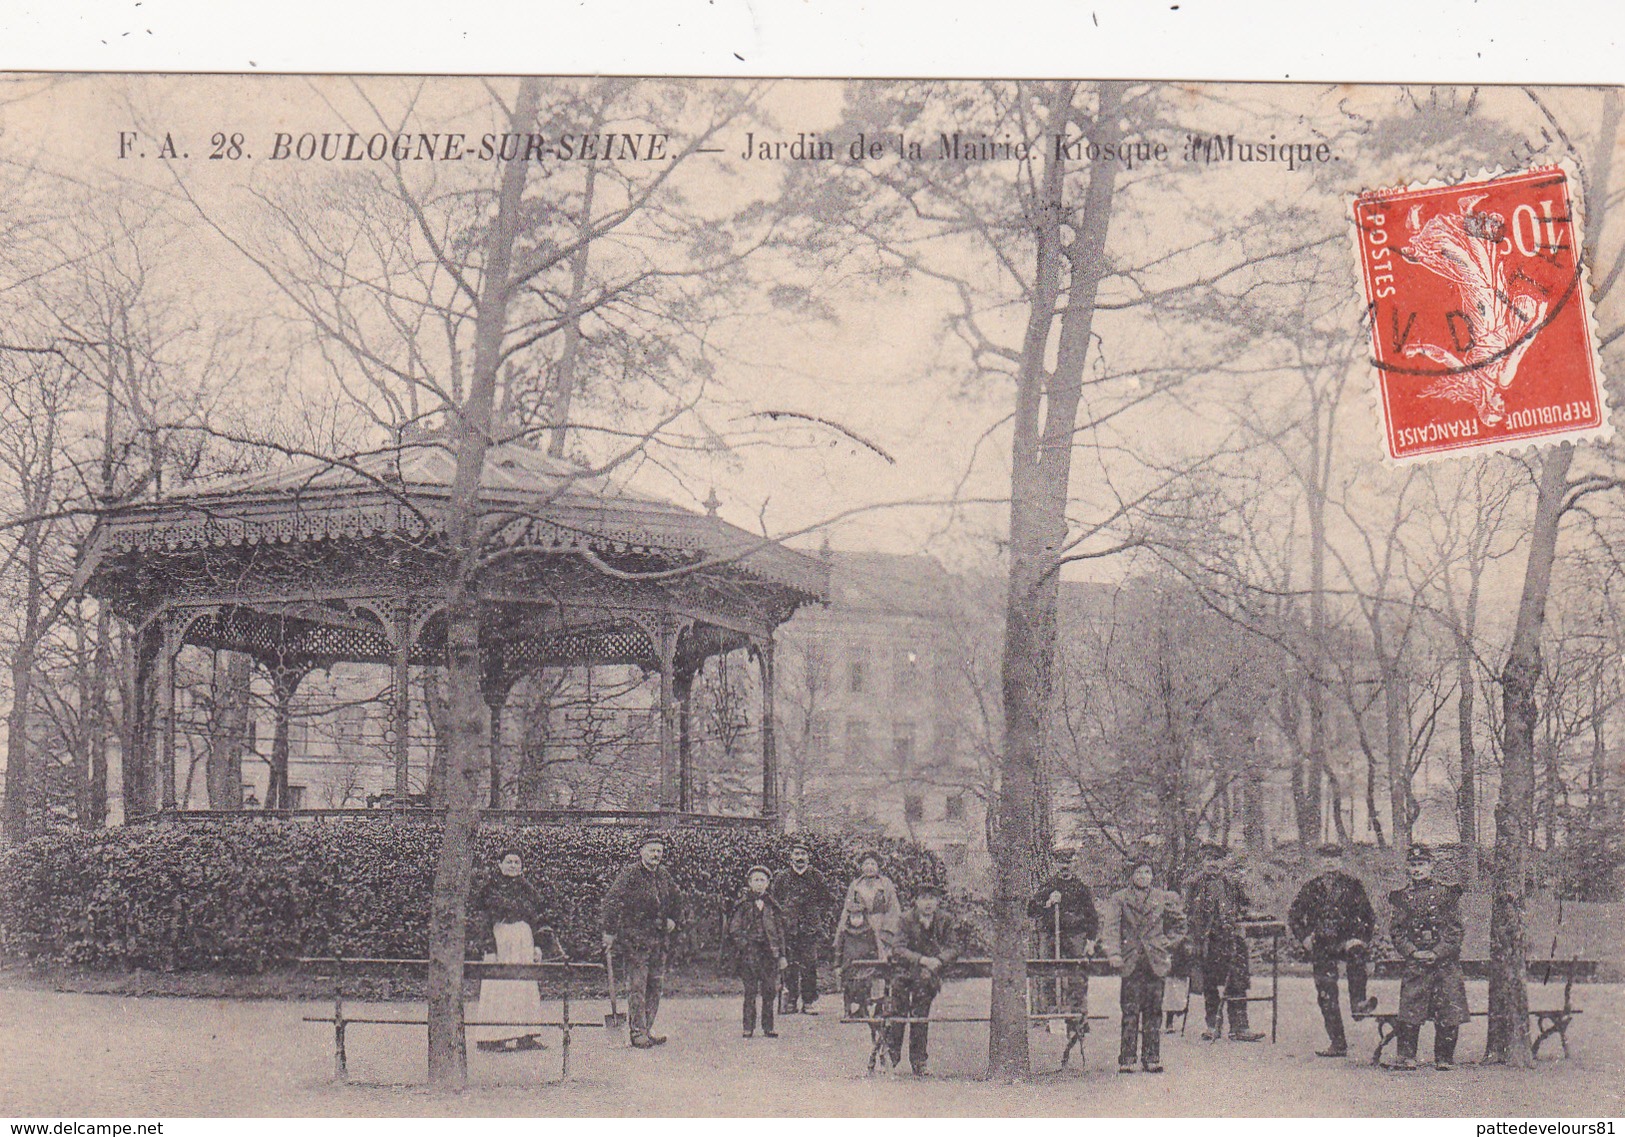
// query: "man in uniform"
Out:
[1140,927]
[926,943]
[1066,901]
[639,913]
[1332,917]
[804,896]
[1216,903]
[1427,933]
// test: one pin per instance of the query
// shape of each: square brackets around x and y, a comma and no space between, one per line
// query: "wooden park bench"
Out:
[567,977]
[1037,969]
[1548,1021]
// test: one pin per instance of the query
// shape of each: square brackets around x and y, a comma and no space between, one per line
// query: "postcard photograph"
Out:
[799,597]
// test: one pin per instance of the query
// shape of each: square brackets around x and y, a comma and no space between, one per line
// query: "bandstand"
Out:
[344,562]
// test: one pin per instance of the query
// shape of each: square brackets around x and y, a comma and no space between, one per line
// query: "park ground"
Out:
[80,1054]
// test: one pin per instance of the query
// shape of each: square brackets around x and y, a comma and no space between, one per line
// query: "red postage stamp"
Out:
[1481,329]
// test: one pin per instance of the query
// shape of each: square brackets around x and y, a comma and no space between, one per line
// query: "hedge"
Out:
[252,895]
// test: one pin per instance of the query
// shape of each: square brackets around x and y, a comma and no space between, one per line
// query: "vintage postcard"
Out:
[670,596]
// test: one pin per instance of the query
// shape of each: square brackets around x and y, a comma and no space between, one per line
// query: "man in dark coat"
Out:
[804,896]
[1066,901]
[1427,932]
[1140,928]
[1216,903]
[756,940]
[1332,917]
[927,942]
[638,914]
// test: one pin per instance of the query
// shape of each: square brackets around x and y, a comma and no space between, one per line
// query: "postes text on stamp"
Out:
[1481,334]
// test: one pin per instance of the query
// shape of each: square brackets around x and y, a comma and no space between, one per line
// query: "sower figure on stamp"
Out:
[756,939]
[805,898]
[1065,902]
[1332,917]
[1140,927]
[638,915]
[926,943]
[1427,933]
[1216,903]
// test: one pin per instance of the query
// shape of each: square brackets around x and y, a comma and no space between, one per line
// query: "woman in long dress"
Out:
[874,892]
[511,908]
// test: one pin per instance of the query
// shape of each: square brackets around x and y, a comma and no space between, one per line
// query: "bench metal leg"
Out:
[1386,1033]
[564,1044]
[341,1062]
[1549,1025]
[1075,1030]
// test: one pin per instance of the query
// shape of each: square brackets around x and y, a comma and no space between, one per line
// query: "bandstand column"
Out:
[401,711]
[685,745]
[666,650]
[165,678]
[284,685]
[770,753]
[139,766]
[494,688]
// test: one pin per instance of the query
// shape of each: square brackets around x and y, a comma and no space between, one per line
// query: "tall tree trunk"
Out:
[1254,834]
[20,774]
[1041,461]
[1397,742]
[1467,791]
[467,752]
[228,730]
[1508,1039]
[1308,799]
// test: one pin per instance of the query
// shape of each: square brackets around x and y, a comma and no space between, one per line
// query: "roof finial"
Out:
[712,503]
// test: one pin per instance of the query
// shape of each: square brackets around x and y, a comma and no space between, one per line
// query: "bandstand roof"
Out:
[328,532]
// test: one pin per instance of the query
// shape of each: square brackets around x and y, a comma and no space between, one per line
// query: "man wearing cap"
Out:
[1332,917]
[1216,903]
[639,912]
[1065,901]
[1140,928]
[926,943]
[1427,933]
[804,896]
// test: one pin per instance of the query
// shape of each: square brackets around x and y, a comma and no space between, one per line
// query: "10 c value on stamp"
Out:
[1481,328]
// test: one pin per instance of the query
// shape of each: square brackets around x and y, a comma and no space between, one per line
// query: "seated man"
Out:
[926,943]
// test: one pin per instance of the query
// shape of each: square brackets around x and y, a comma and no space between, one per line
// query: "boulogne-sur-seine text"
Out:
[804,146]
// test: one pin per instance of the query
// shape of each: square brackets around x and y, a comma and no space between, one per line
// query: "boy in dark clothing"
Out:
[1215,904]
[926,943]
[1066,901]
[1332,917]
[756,938]
[855,939]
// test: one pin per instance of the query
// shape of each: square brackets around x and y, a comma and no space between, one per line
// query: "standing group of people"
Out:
[776,926]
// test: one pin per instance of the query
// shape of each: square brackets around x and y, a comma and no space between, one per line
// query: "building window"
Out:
[856,667]
[817,735]
[906,670]
[955,807]
[947,742]
[902,744]
[857,741]
[913,808]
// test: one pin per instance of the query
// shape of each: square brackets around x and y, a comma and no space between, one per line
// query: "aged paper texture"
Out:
[810,597]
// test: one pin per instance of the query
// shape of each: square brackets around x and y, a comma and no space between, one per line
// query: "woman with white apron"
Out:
[511,908]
